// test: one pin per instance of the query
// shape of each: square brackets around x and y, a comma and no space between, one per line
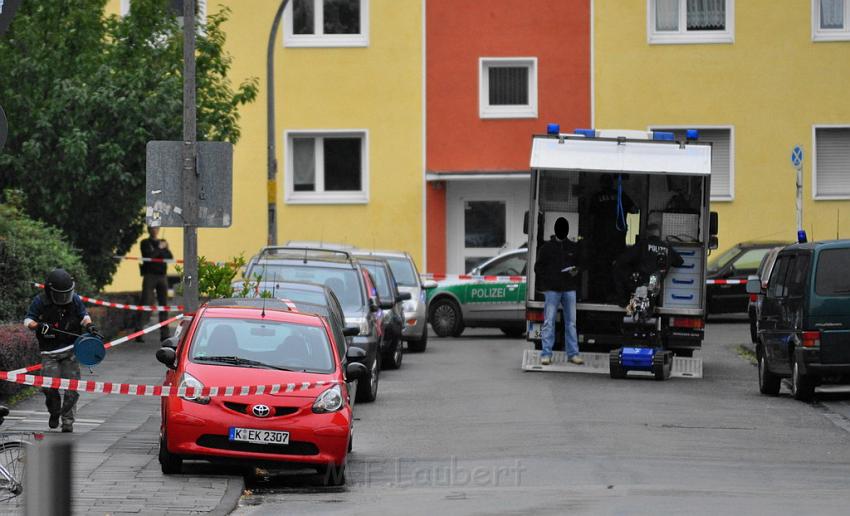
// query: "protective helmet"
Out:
[59,287]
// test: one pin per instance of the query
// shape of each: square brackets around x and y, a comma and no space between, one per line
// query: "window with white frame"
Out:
[507,87]
[691,21]
[830,20]
[326,23]
[832,162]
[177,7]
[722,158]
[327,167]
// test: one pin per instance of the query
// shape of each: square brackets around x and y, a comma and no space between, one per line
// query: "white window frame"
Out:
[202,10]
[318,39]
[319,196]
[819,34]
[485,110]
[730,196]
[815,195]
[683,35]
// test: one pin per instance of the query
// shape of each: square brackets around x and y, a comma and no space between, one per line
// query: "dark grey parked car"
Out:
[391,303]
[763,274]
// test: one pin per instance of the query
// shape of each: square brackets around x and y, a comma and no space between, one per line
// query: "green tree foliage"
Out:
[215,280]
[84,93]
[29,250]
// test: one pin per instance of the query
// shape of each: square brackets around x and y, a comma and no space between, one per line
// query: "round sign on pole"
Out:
[797,156]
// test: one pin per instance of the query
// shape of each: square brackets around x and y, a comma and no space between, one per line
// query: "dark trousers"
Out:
[61,365]
[155,284]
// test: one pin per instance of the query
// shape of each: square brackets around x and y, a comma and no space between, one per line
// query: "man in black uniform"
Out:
[607,234]
[58,315]
[154,278]
[648,255]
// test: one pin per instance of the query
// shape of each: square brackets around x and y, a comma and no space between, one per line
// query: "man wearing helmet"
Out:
[57,316]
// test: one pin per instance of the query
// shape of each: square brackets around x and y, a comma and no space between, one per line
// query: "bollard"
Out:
[47,484]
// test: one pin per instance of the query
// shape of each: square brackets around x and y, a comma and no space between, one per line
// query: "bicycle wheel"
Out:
[12,454]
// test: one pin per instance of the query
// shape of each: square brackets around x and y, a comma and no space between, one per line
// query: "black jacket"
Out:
[552,258]
[67,318]
[150,249]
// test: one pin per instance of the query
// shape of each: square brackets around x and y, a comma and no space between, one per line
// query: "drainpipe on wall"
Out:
[272,157]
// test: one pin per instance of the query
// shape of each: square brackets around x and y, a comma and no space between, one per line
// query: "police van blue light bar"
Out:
[553,129]
[662,136]
[587,133]
[692,134]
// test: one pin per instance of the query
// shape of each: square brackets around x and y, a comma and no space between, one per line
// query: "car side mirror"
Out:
[712,242]
[355,353]
[351,331]
[170,342]
[373,306]
[403,296]
[386,305]
[356,371]
[712,223]
[753,285]
[168,356]
[429,284]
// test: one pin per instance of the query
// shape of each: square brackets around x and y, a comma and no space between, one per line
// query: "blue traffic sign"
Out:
[797,156]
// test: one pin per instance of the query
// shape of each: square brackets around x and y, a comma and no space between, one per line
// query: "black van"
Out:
[804,325]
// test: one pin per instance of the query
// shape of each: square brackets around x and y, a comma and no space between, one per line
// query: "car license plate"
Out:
[535,330]
[253,435]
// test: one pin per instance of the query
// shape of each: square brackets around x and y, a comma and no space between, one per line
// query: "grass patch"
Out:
[21,395]
[746,353]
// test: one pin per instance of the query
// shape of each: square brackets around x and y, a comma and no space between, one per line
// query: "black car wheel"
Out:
[446,318]
[802,385]
[768,382]
[754,334]
[171,464]
[392,359]
[368,391]
[419,345]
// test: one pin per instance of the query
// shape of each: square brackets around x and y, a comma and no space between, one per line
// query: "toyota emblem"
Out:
[261,410]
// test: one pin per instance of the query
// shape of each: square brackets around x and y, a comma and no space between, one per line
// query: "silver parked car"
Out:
[415,331]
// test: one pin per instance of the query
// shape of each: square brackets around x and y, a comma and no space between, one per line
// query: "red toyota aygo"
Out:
[302,418]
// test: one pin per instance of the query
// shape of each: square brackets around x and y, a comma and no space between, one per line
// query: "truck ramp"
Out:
[683,367]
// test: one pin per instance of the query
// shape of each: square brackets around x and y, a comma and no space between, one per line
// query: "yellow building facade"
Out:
[759,77]
[349,97]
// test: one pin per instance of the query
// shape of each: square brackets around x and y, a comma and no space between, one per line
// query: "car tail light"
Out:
[754,298]
[811,339]
[534,315]
[687,322]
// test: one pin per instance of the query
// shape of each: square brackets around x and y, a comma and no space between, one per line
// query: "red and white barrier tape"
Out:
[122,306]
[155,390]
[111,344]
[522,279]
[440,277]
[142,259]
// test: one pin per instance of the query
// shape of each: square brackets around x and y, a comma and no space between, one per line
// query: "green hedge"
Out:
[29,250]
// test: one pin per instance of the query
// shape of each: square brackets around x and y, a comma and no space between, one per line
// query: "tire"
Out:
[446,318]
[513,332]
[769,383]
[802,385]
[13,459]
[332,475]
[418,346]
[616,370]
[367,392]
[754,334]
[392,360]
[171,464]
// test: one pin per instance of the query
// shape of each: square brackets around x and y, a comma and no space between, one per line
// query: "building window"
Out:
[507,87]
[176,7]
[830,20]
[722,157]
[326,23]
[831,175]
[327,167]
[690,21]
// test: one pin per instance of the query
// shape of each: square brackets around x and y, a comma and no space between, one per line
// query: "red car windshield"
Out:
[262,344]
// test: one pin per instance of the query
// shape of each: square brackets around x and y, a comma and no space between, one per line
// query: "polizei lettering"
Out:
[487,293]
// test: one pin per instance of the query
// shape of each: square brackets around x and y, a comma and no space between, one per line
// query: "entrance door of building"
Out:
[484,219]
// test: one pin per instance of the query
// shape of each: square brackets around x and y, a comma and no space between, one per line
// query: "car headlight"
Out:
[361,322]
[189,381]
[329,401]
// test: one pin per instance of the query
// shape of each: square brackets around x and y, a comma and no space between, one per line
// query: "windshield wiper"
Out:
[244,362]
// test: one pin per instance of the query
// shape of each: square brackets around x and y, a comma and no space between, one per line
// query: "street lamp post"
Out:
[272,157]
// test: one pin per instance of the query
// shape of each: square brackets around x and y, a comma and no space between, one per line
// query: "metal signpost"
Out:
[797,161]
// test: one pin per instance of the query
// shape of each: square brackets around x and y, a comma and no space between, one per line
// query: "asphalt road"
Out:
[461,429]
